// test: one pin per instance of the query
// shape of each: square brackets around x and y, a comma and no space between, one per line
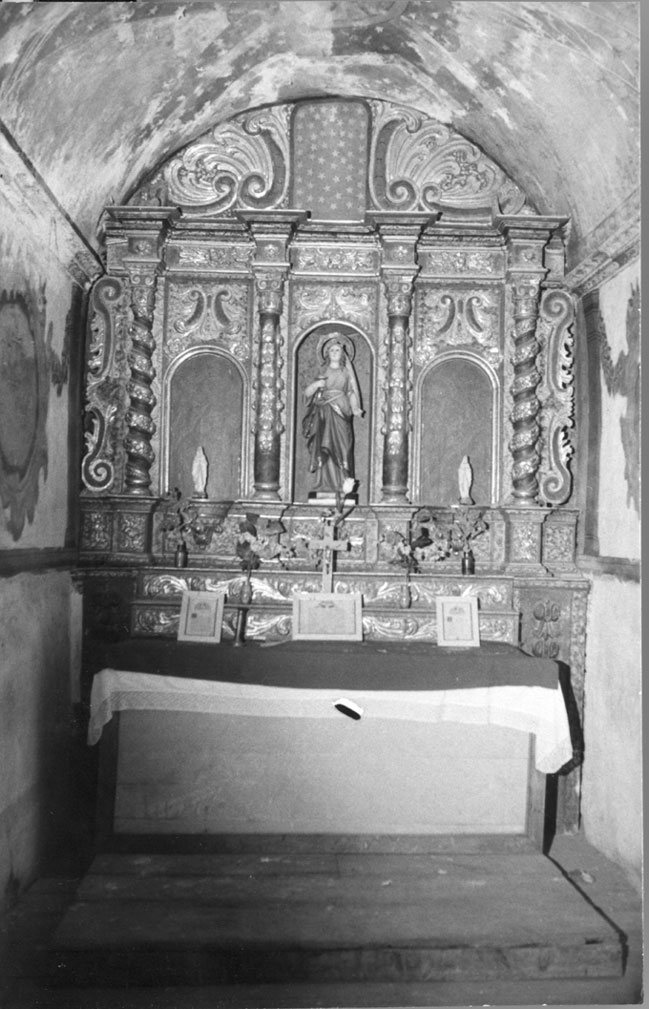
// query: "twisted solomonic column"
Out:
[139,420]
[135,242]
[526,429]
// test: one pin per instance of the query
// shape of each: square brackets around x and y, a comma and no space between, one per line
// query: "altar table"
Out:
[444,743]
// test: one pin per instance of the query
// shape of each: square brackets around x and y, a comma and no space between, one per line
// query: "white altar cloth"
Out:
[539,711]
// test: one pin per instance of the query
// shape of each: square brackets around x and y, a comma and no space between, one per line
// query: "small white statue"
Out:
[199,473]
[465,478]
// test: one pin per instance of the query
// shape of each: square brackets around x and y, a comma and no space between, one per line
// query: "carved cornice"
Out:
[608,248]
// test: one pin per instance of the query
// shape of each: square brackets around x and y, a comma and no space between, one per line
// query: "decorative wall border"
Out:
[30,560]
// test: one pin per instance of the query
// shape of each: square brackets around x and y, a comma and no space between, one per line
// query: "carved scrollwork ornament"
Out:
[557,395]
[417,163]
[105,392]
[207,312]
[242,163]
[449,319]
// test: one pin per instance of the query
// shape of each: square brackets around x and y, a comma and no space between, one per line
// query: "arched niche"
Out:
[457,412]
[205,397]
[307,367]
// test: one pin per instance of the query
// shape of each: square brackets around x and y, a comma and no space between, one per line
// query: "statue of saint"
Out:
[465,479]
[332,400]
[199,473]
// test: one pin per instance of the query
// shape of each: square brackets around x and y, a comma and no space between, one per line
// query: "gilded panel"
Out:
[207,312]
[448,318]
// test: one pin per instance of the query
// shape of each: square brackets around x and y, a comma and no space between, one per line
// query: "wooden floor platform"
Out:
[324,918]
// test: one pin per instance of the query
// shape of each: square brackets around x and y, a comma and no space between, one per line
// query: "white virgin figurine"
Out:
[465,478]
[199,473]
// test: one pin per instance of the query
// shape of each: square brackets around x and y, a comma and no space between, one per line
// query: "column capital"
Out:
[272,231]
[526,240]
[270,289]
[398,289]
[399,235]
[135,237]
[391,224]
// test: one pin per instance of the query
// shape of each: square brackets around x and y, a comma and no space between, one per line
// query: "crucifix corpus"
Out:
[329,546]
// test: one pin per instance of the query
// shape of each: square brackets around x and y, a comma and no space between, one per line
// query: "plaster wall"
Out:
[34,722]
[612,780]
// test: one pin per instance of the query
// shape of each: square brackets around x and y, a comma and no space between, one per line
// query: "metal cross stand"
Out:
[329,546]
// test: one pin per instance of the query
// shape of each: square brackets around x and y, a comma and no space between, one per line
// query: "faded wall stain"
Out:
[127,84]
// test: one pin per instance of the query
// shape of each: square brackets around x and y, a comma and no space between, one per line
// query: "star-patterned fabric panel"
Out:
[330,160]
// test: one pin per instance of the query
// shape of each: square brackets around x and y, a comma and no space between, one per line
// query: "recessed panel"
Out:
[206,408]
[456,420]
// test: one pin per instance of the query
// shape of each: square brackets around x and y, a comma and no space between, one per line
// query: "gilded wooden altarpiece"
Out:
[430,258]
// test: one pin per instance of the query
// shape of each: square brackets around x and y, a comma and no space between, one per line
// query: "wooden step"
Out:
[229,919]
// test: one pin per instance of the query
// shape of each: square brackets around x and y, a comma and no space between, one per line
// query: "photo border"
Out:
[470,605]
[189,601]
[302,600]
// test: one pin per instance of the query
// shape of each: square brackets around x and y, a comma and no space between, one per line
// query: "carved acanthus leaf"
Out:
[417,163]
[240,163]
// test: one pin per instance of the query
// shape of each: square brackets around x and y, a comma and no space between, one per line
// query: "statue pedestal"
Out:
[328,498]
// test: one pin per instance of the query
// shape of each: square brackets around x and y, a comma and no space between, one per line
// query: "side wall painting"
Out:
[37,309]
[28,366]
[24,396]
[613,333]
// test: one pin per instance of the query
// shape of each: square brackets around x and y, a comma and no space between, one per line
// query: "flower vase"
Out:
[468,563]
[180,556]
[245,595]
[405,597]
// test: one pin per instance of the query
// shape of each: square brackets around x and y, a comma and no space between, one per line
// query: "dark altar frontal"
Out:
[221,290]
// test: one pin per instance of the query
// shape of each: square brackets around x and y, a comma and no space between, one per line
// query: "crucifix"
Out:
[330,546]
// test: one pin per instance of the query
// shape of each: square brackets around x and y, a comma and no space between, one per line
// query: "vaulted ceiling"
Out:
[96,94]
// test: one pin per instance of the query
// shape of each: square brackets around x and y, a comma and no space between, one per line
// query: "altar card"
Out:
[327,616]
[457,622]
[201,617]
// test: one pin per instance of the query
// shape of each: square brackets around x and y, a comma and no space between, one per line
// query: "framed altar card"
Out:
[201,617]
[457,622]
[327,616]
